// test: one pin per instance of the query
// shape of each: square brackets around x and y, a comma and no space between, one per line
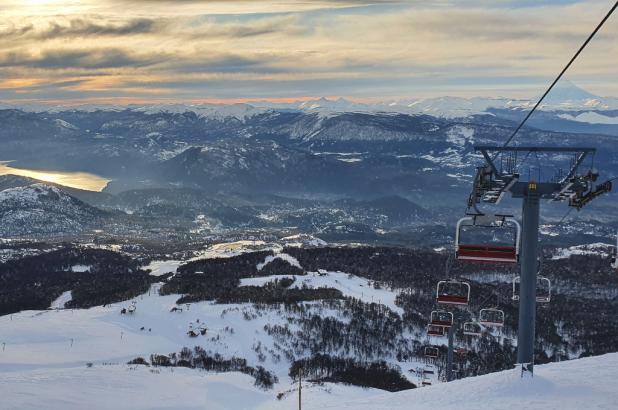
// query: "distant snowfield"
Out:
[159,268]
[219,250]
[349,285]
[591,117]
[589,249]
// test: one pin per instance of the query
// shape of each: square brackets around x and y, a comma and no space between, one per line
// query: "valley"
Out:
[229,248]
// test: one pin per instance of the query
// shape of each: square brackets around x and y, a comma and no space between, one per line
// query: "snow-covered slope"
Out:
[44,358]
[578,384]
[40,208]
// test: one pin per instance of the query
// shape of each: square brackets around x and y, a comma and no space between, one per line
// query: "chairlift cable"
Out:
[590,37]
[564,217]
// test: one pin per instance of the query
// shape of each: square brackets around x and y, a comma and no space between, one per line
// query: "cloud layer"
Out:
[138,50]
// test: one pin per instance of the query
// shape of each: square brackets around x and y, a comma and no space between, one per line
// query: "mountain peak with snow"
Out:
[565,91]
[565,96]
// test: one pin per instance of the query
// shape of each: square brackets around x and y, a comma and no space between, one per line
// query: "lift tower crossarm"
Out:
[491,184]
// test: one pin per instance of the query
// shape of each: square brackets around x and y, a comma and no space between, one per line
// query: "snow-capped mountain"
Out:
[566,96]
[280,155]
[39,209]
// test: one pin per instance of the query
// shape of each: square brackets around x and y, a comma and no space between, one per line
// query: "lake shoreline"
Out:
[78,180]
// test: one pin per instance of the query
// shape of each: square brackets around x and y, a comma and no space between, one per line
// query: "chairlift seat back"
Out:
[441,318]
[435,330]
[487,253]
[491,317]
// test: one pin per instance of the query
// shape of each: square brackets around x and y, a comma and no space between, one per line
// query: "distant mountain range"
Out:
[566,96]
[327,166]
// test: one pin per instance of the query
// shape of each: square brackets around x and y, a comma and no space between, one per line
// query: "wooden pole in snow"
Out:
[300,387]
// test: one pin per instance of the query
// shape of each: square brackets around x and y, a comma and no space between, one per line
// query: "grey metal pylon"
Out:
[492,182]
[528,279]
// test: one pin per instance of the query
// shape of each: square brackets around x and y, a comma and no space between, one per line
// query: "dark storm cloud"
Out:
[87,59]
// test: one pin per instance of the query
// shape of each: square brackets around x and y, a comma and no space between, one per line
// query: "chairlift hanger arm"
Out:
[580,201]
[490,162]
[580,158]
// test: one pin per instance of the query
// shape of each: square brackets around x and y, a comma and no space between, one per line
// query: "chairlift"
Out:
[472,329]
[543,289]
[426,382]
[131,309]
[461,351]
[435,330]
[441,318]
[431,352]
[505,251]
[491,317]
[453,292]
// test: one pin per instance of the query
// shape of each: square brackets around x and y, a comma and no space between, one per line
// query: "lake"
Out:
[80,180]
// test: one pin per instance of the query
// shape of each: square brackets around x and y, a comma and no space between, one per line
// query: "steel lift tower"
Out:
[499,176]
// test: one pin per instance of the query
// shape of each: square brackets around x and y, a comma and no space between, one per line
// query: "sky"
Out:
[150,51]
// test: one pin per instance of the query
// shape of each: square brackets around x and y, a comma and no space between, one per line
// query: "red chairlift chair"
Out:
[488,252]
[435,331]
[441,318]
[453,292]
[543,289]
[472,329]
[431,352]
[491,317]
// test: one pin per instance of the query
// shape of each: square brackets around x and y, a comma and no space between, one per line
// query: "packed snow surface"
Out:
[350,285]
[573,385]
